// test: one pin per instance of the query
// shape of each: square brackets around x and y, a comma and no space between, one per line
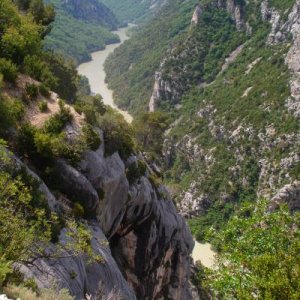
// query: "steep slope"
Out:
[229,82]
[131,68]
[80,208]
[132,10]
[81,27]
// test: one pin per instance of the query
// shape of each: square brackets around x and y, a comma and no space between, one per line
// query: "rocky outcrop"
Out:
[196,15]
[149,241]
[289,194]
[75,273]
[292,59]
[235,9]
[144,243]
[162,90]
[77,187]
[281,31]
[154,252]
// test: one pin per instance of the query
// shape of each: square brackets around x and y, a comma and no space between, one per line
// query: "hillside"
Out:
[225,79]
[82,213]
[93,207]
[227,82]
[133,10]
[81,27]
[131,68]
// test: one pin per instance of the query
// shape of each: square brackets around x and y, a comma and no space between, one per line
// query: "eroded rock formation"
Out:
[144,244]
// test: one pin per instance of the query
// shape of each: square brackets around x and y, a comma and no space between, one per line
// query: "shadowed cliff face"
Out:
[148,256]
[91,11]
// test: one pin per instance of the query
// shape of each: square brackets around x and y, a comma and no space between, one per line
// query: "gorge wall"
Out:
[144,244]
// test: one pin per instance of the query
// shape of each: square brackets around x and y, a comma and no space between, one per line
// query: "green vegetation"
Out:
[43,106]
[8,70]
[75,38]
[135,171]
[129,10]
[117,134]
[259,255]
[282,5]
[32,91]
[148,130]
[16,292]
[130,69]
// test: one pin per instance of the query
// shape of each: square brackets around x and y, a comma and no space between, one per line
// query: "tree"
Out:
[259,257]
[149,129]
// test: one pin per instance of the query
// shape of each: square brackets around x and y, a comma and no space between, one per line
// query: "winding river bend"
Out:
[94,71]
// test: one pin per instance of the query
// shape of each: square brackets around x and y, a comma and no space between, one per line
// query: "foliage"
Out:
[75,38]
[130,69]
[11,112]
[31,90]
[92,107]
[260,255]
[91,137]
[36,67]
[282,4]
[43,106]
[8,70]
[117,134]
[65,74]
[44,90]
[135,170]
[57,122]
[42,14]
[19,35]
[20,292]
[21,216]
[129,10]
[149,131]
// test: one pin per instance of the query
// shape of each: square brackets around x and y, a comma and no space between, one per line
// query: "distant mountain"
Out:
[132,10]
[81,27]
[91,11]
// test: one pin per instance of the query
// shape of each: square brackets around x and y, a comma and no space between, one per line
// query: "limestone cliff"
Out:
[170,85]
[144,244]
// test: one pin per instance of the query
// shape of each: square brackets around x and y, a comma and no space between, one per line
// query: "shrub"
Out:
[78,210]
[26,144]
[135,171]
[44,90]
[43,144]
[43,106]
[8,70]
[91,137]
[58,121]
[32,91]
[117,135]
[260,253]
[21,292]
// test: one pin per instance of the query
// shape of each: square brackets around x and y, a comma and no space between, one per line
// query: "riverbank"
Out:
[94,71]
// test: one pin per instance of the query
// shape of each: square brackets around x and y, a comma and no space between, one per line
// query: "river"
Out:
[204,253]
[94,71]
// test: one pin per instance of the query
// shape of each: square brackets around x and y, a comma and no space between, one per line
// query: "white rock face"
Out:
[292,59]
[77,275]
[196,15]
[289,194]
[4,297]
